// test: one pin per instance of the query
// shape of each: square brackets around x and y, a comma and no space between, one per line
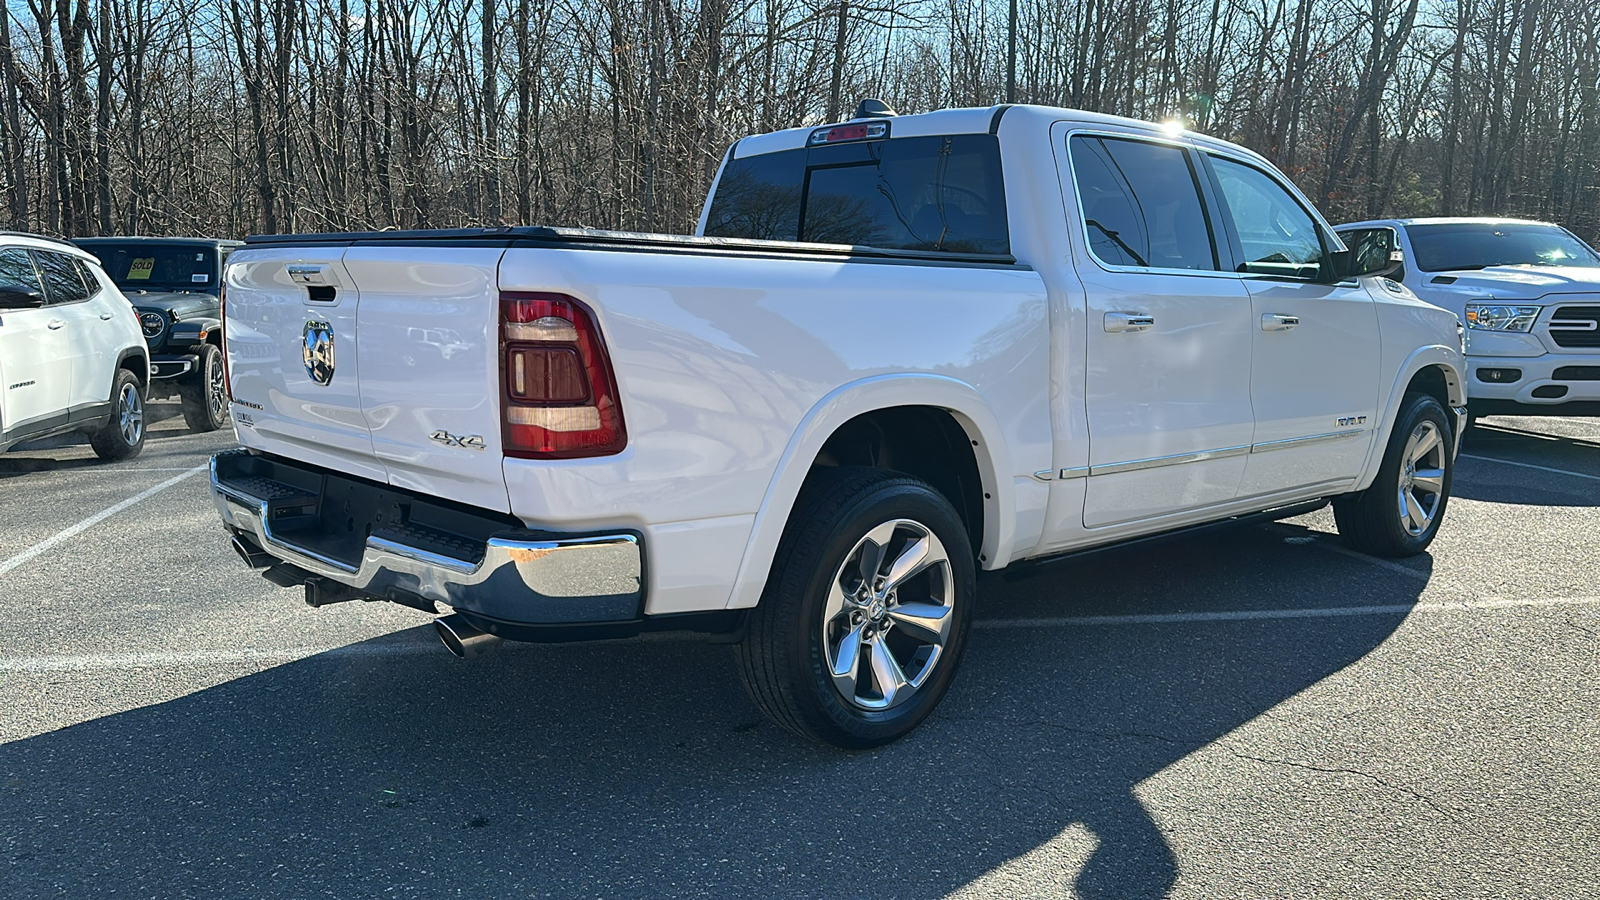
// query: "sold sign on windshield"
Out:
[140,269]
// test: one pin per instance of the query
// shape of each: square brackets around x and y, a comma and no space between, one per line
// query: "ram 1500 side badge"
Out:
[318,352]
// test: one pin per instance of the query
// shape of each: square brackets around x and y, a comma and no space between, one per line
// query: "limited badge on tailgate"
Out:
[318,352]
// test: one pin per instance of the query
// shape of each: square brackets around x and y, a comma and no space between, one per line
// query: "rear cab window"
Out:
[934,193]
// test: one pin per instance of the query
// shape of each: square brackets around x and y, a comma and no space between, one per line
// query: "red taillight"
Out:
[558,394]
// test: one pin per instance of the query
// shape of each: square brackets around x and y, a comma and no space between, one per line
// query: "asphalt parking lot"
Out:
[1258,713]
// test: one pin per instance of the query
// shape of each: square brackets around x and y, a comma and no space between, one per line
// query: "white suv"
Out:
[72,357]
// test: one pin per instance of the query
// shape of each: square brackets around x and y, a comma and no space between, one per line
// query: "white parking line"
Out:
[1328,542]
[1532,466]
[1325,612]
[102,662]
[95,519]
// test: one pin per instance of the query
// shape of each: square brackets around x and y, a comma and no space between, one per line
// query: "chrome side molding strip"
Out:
[1303,441]
[1179,459]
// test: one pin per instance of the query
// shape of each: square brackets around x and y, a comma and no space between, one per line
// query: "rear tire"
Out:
[1400,514]
[122,435]
[864,618]
[205,397]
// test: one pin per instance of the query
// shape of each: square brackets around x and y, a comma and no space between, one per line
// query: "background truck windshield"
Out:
[159,267]
[1478,245]
[915,193]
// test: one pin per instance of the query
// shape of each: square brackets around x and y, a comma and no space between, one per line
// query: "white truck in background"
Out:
[1528,293]
[899,350]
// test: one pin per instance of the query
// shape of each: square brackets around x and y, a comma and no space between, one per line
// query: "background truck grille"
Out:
[1576,326]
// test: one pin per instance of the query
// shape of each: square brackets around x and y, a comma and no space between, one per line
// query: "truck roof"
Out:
[144,239]
[1446,220]
[978,120]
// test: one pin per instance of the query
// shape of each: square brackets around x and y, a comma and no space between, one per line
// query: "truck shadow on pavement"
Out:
[639,769]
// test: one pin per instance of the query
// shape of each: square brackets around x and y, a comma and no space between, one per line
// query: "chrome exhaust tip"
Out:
[253,556]
[461,639]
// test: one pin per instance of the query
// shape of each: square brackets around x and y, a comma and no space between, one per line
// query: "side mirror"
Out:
[16,296]
[1375,264]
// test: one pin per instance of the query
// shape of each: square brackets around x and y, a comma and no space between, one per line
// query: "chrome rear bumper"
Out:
[515,576]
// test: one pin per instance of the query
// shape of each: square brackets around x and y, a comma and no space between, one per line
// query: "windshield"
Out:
[1477,245]
[157,267]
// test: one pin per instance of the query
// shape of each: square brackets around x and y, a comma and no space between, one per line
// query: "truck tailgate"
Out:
[429,351]
[294,378]
[381,362]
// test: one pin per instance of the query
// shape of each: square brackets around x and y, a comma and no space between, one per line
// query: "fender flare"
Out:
[1439,355]
[867,395]
[189,331]
[142,369]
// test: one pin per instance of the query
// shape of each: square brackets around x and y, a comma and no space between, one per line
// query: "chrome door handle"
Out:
[105,316]
[55,325]
[1119,322]
[1275,322]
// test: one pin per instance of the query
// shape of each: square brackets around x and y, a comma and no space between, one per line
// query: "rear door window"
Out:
[938,193]
[1141,204]
[61,279]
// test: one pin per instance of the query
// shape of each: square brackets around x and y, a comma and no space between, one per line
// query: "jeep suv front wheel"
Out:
[205,393]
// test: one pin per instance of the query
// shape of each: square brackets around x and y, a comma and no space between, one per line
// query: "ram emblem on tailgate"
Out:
[318,353]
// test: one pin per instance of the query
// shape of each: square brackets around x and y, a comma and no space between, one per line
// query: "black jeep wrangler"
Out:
[175,287]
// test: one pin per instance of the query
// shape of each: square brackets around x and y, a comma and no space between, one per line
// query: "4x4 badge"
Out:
[467,441]
[318,352]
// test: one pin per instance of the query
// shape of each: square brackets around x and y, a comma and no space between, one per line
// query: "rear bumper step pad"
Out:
[389,543]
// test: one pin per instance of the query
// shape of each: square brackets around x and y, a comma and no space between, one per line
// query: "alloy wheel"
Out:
[130,414]
[217,393]
[1422,477]
[888,615]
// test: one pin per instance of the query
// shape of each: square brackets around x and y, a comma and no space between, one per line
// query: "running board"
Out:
[1029,567]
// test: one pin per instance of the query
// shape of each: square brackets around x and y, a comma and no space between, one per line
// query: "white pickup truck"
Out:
[899,350]
[1529,293]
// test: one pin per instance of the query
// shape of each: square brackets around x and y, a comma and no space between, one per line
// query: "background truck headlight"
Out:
[1501,317]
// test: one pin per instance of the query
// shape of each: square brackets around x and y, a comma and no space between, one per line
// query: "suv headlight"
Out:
[1498,317]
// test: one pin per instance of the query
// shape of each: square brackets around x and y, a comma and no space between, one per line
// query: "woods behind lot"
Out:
[223,117]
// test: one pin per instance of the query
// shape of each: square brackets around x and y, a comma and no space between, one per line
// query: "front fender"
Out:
[195,331]
[841,405]
[1445,357]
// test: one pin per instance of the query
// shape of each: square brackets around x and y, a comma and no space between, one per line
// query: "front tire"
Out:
[122,435]
[1399,515]
[205,398]
[864,618]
